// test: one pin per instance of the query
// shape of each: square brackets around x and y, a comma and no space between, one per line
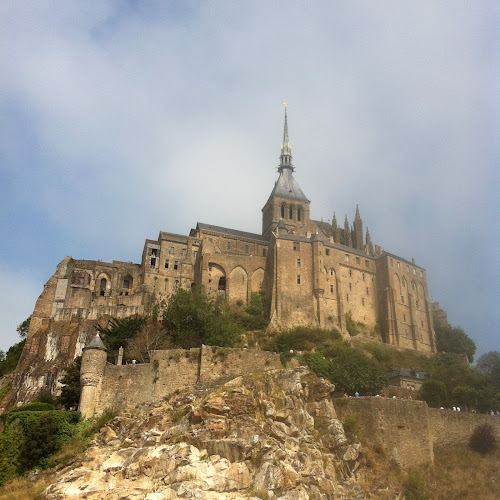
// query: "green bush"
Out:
[36,406]
[302,339]
[119,333]
[415,486]
[9,363]
[71,389]
[351,427]
[433,392]
[483,439]
[350,324]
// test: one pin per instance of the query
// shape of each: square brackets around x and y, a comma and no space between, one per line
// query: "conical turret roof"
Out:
[96,343]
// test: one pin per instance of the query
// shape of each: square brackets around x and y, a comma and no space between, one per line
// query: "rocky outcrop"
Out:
[273,435]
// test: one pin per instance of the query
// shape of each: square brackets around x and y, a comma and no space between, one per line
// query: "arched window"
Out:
[222,283]
[102,287]
[290,212]
[165,286]
[299,213]
[126,283]
[283,211]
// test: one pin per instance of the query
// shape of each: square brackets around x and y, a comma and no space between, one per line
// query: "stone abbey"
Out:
[310,272]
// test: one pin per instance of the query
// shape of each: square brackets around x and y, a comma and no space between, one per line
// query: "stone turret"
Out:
[358,231]
[347,233]
[94,358]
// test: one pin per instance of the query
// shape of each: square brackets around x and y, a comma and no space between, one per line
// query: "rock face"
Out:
[272,435]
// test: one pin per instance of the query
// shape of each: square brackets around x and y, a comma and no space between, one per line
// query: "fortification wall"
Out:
[400,426]
[124,386]
[450,427]
[222,362]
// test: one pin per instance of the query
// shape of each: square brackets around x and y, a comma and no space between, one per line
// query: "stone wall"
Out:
[400,426]
[450,427]
[409,430]
[123,386]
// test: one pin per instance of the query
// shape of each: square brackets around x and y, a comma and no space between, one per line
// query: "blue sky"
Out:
[121,119]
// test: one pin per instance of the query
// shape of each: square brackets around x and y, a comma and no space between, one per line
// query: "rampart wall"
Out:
[409,430]
[124,386]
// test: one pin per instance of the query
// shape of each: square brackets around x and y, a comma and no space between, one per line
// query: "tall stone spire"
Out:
[358,231]
[286,148]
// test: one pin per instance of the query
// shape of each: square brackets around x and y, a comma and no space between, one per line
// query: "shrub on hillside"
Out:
[415,486]
[302,339]
[433,392]
[351,325]
[483,439]
[71,388]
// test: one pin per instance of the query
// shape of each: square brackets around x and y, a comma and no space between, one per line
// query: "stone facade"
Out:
[105,385]
[310,272]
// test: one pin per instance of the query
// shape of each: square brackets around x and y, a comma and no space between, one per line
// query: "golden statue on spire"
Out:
[285,104]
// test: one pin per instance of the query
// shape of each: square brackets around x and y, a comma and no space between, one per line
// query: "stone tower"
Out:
[287,202]
[94,359]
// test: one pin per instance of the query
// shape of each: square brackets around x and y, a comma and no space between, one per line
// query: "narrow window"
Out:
[154,252]
[407,268]
[184,252]
[282,211]
[195,254]
[298,262]
[246,248]
[210,240]
[399,265]
[228,246]
[357,260]
[422,324]
[165,285]
[347,298]
[331,271]
[350,287]
[167,264]
[155,283]
[298,279]
[367,263]
[363,276]
[404,318]
[414,271]
[350,273]
[392,263]
[290,213]
[421,274]
[402,300]
[331,288]
[296,246]
[367,291]
[263,252]
[209,268]
[102,287]
[176,284]
[126,284]
[172,250]
[299,214]
[363,301]
[176,265]
[153,262]
[346,257]
[327,251]
[82,281]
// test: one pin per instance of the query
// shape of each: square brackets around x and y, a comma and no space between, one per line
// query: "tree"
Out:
[71,388]
[151,337]
[22,328]
[193,318]
[489,364]
[9,363]
[119,333]
[433,392]
[450,339]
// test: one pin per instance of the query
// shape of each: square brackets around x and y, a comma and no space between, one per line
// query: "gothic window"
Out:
[167,264]
[154,252]
[153,262]
[283,211]
[176,265]
[222,283]
[126,283]
[299,214]
[102,287]
[298,279]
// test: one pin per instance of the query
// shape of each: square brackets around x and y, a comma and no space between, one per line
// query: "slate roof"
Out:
[234,232]
[96,343]
[286,187]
